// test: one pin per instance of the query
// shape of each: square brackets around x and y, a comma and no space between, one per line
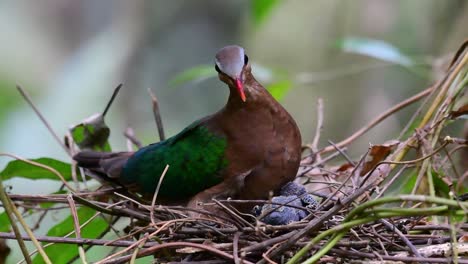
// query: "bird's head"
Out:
[232,65]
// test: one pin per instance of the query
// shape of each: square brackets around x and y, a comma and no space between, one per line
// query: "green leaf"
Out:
[442,189]
[92,134]
[4,222]
[409,182]
[279,89]
[261,9]
[18,168]
[375,48]
[9,99]
[197,73]
[64,253]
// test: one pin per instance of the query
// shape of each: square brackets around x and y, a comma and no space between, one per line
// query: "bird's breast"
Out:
[267,139]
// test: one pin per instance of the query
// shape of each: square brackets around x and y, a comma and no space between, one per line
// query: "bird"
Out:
[247,150]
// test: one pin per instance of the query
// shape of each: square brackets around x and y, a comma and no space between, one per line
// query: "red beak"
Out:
[240,89]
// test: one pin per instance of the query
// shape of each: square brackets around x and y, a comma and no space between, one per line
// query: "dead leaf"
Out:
[377,154]
[345,167]
[463,110]
[463,239]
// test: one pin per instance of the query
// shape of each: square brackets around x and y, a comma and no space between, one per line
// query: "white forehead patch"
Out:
[230,60]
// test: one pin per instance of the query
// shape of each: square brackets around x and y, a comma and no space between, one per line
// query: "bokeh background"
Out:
[70,55]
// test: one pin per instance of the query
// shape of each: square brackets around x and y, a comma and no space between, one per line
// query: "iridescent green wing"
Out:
[195,156]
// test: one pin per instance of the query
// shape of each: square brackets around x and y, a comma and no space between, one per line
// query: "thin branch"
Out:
[155,196]
[114,94]
[318,129]
[26,228]
[379,119]
[76,224]
[130,135]
[235,248]
[78,241]
[153,249]
[44,121]
[413,249]
[157,115]
[7,204]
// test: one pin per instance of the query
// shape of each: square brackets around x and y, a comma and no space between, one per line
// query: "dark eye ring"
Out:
[246,59]
[217,68]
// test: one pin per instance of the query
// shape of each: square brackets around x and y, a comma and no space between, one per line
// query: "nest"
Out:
[360,217]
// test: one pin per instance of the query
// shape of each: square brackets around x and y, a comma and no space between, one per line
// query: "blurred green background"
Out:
[360,56]
[69,55]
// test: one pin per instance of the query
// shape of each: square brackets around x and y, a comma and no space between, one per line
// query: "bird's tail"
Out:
[108,163]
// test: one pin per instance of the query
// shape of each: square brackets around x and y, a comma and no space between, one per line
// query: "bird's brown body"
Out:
[264,147]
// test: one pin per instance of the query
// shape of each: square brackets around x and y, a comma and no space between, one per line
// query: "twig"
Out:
[137,243]
[235,248]
[347,178]
[235,216]
[318,129]
[44,121]
[76,224]
[130,135]
[114,94]
[265,255]
[137,249]
[30,233]
[390,182]
[7,204]
[153,249]
[442,86]
[73,232]
[155,196]
[78,241]
[379,118]
[413,249]
[157,115]
[337,148]
[361,255]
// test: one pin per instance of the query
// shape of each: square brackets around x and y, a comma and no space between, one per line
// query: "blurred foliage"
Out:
[279,89]
[261,9]
[64,253]
[194,74]
[4,222]
[9,99]
[383,51]
[376,49]
[278,83]
[19,168]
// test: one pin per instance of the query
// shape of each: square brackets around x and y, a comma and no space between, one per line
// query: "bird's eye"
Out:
[217,68]
[246,59]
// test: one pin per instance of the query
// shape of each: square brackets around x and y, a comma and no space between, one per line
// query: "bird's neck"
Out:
[254,93]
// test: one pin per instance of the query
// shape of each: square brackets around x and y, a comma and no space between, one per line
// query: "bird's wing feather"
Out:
[195,157]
